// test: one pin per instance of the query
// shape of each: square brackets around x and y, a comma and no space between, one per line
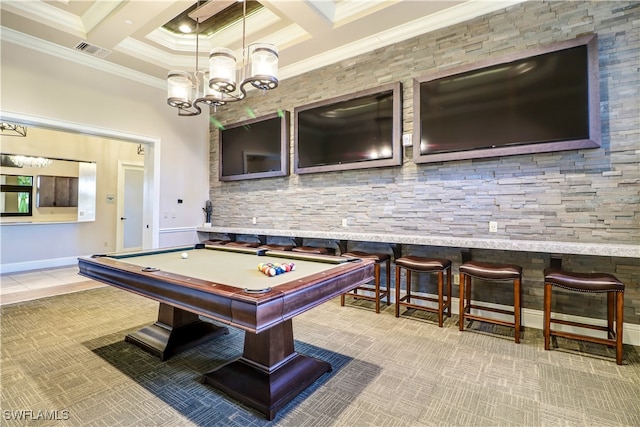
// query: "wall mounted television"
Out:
[354,131]
[255,148]
[541,100]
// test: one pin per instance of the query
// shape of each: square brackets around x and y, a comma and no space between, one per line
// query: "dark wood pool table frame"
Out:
[270,372]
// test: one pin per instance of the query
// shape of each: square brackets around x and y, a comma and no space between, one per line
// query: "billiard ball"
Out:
[184,255]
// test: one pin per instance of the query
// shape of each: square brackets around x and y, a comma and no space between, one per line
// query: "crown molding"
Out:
[45,47]
[455,15]
[437,21]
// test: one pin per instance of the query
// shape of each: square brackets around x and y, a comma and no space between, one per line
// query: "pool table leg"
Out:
[175,330]
[270,373]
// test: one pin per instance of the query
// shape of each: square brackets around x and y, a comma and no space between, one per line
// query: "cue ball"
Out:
[184,255]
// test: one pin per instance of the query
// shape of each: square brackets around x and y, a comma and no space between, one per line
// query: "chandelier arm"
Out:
[186,112]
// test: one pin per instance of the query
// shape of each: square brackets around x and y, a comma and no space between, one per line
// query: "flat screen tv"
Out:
[255,148]
[542,100]
[354,131]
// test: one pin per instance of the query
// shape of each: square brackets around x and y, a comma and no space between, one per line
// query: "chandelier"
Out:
[30,162]
[224,81]
[12,129]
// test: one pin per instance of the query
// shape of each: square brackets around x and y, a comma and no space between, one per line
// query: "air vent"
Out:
[92,50]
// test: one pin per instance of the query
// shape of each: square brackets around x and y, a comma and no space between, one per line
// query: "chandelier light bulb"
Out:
[222,70]
[263,60]
[180,86]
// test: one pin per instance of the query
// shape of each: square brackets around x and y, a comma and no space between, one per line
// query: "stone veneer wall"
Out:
[577,196]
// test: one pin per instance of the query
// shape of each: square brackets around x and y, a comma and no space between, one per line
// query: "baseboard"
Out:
[17,267]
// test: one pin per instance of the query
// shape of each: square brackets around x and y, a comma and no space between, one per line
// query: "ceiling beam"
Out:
[133,17]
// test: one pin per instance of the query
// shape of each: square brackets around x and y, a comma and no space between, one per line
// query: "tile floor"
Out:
[29,285]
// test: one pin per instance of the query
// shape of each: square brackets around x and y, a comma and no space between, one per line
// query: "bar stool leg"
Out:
[440,297]
[547,315]
[408,283]
[619,322]
[388,270]
[611,313]
[449,292]
[462,298]
[398,285]
[516,308]
[376,282]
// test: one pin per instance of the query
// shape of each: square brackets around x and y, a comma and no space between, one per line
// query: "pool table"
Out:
[225,284]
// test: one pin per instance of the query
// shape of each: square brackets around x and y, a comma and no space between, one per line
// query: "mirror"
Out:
[37,187]
[66,191]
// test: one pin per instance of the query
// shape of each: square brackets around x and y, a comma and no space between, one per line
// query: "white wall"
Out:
[46,86]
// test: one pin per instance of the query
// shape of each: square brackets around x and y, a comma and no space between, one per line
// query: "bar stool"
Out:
[418,264]
[274,247]
[491,272]
[313,250]
[378,258]
[590,283]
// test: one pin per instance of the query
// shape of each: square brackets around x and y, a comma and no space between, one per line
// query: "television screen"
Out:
[535,103]
[255,148]
[354,131]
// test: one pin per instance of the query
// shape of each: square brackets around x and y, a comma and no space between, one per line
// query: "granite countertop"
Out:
[551,247]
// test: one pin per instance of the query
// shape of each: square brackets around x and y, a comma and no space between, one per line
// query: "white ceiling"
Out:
[308,33]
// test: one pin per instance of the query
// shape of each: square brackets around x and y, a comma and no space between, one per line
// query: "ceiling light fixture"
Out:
[30,162]
[224,81]
[11,129]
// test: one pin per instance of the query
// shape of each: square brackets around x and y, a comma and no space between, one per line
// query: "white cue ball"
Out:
[184,255]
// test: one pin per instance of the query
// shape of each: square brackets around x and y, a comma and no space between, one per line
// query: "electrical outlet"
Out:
[255,220]
[493,227]
[345,223]
[407,140]
[456,279]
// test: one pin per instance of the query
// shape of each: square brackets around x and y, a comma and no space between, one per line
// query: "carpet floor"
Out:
[65,363]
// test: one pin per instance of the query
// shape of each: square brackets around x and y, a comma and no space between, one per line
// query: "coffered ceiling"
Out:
[127,36]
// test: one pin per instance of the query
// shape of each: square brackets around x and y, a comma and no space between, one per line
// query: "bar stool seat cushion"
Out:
[491,271]
[583,282]
[216,242]
[311,250]
[377,257]
[243,244]
[273,247]
[417,263]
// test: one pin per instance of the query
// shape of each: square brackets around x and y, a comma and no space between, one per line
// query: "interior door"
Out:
[130,207]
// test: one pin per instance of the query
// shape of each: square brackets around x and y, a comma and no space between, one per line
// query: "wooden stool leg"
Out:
[388,271]
[611,314]
[376,284]
[440,297]
[516,308]
[619,321]
[398,284]
[408,283]
[462,298]
[547,315]
[342,300]
[449,292]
